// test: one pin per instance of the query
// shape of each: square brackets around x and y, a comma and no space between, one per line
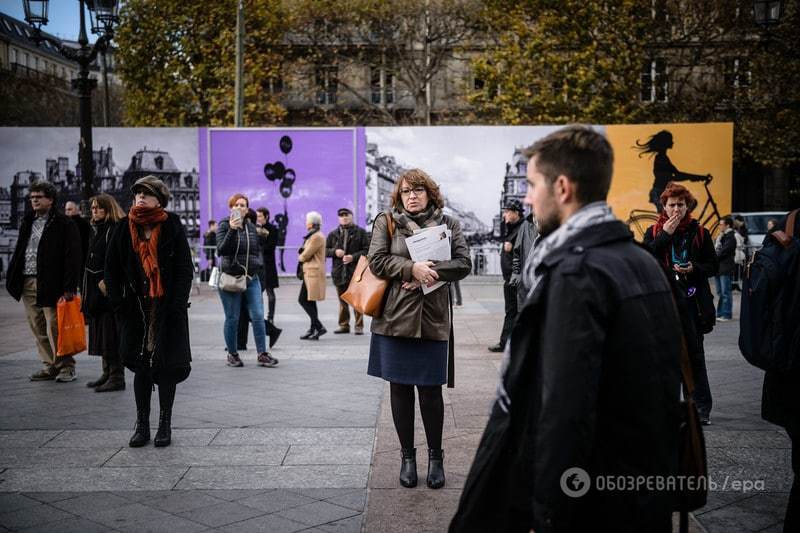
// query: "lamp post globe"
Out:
[104,15]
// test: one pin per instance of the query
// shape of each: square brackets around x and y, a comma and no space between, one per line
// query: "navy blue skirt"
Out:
[408,361]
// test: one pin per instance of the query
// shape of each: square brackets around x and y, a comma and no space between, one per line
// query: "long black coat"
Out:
[94,302]
[125,277]
[593,382]
[780,402]
[354,241]
[58,259]
[269,278]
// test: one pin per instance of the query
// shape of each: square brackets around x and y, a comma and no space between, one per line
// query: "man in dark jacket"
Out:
[73,211]
[780,404]
[346,244]
[210,248]
[512,216]
[590,383]
[726,249]
[523,247]
[46,266]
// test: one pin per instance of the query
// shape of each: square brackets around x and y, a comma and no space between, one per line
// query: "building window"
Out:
[273,85]
[737,73]
[13,55]
[658,11]
[654,81]
[382,86]
[327,84]
[159,163]
[27,58]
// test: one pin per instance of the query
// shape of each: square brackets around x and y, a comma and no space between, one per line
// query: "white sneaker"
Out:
[66,374]
[722,319]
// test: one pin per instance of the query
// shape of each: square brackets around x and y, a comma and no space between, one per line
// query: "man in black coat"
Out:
[46,266]
[780,404]
[73,211]
[346,244]
[512,216]
[590,383]
[726,250]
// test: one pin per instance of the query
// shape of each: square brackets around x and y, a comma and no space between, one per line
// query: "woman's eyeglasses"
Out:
[418,191]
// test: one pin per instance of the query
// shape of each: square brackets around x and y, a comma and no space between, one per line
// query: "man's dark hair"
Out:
[211,222]
[264,211]
[728,221]
[46,188]
[579,153]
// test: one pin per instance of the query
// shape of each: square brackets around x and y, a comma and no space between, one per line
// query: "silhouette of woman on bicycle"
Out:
[663,169]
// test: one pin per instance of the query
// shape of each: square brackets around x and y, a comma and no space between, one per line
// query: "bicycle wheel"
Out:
[638,224]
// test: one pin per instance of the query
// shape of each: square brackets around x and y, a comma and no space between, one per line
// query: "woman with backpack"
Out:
[686,252]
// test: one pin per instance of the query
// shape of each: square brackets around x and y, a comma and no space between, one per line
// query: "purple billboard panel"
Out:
[288,171]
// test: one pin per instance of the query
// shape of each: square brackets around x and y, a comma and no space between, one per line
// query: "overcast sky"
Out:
[468,162]
[28,148]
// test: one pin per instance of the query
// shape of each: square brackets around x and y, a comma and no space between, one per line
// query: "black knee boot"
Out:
[408,468]
[164,433]
[141,433]
[435,468]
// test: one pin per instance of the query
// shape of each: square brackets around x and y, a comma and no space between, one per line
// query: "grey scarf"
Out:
[586,217]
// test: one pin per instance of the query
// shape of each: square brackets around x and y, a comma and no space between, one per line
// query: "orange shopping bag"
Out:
[71,327]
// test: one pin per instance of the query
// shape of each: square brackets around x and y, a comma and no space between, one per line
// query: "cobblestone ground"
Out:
[309,445]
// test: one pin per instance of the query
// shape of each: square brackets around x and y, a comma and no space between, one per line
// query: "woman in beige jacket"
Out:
[312,259]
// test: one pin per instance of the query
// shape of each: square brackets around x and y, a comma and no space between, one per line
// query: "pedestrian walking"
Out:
[409,345]
[311,270]
[148,277]
[686,253]
[583,392]
[44,268]
[725,246]
[780,401]
[345,245]
[103,329]
[268,237]
[523,247]
[513,218]
[240,255]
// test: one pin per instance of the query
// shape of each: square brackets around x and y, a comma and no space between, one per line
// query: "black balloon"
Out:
[286,188]
[269,172]
[286,144]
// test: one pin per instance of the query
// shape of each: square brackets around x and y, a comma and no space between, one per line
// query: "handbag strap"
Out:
[451,349]
[238,241]
[686,369]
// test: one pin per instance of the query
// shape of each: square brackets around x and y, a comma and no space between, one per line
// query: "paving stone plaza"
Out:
[308,445]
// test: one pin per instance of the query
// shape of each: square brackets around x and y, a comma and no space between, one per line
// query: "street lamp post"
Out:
[104,16]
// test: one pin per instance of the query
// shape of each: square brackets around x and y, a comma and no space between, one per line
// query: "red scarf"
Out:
[683,225]
[148,249]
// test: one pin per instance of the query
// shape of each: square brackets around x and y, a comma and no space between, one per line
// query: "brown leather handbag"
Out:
[692,465]
[366,290]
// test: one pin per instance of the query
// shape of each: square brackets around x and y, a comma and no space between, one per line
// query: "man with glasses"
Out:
[46,266]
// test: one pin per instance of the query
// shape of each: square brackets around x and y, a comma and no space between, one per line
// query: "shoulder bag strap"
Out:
[451,347]
[247,259]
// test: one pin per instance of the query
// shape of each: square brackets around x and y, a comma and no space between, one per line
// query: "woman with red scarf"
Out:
[686,252]
[148,277]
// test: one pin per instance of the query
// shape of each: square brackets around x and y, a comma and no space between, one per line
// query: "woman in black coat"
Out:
[148,277]
[103,337]
[686,252]
[268,236]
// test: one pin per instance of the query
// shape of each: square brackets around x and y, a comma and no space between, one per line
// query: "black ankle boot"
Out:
[273,333]
[141,433]
[164,433]
[408,468]
[435,468]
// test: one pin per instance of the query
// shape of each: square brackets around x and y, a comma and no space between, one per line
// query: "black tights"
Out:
[431,406]
[270,303]
[143,387]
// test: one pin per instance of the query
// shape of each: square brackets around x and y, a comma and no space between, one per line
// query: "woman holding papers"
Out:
[409,345]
